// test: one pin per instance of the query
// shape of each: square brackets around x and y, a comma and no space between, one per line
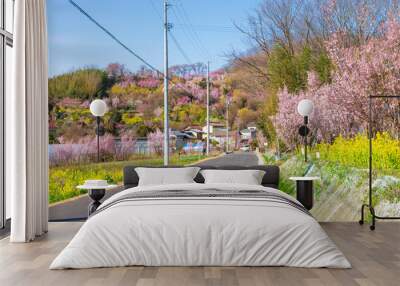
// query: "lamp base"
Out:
[96,195]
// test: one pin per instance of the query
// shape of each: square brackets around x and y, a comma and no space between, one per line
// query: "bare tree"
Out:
[295,23]
[275,22]
[358,19]
[278,22]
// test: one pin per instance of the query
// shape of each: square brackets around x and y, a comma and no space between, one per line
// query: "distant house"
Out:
[194,131]
[245,134]
[177,134]
[215,127]
[252,128]
[248,134]
[218,133]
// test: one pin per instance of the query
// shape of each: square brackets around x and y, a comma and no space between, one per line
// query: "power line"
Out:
[181,50]
[156,10]
[189,35]
[114,37]
[196,36]
[210,28]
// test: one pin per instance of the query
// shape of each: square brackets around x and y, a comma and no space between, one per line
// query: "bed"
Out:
[201,224]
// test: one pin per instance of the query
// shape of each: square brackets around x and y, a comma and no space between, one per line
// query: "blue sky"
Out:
[75,42]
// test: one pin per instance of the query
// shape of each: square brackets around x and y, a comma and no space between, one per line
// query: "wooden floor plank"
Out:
[375,257]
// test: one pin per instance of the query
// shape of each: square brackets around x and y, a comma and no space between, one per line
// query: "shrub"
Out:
[85,150]
[63,180]
[355,151]
[156,140]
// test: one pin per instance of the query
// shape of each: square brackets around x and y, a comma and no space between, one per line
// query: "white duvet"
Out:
[202,232]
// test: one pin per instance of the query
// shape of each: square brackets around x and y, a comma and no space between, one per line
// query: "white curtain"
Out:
[27,124]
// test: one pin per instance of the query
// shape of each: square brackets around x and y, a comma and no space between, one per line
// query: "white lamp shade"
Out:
[98,107]
[305,107]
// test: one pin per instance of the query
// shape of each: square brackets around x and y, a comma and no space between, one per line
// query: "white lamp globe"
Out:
[305,107]
[98,107]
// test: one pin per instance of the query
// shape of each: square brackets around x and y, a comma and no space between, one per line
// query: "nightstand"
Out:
[304,190]
[96,193]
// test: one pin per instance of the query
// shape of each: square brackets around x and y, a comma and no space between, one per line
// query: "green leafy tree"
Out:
[83,84]
[291,70]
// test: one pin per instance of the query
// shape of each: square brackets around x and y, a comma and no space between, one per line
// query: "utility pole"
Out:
[278,153]
[208,108]
[227,123]
[166,78]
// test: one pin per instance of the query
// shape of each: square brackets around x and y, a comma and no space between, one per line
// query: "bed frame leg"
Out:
[372,211]
[372,226]
[361,221]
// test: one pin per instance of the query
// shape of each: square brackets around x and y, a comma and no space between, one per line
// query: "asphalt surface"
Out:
[76,209]
[244,159]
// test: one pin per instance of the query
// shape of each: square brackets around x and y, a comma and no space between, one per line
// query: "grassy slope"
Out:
[342,189]
[63,180]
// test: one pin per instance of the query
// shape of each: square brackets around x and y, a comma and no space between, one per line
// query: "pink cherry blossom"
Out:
[341,107]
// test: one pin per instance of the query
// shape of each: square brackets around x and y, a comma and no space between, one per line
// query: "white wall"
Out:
[8,83]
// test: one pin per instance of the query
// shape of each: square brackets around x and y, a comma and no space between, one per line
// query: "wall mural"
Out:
[336,66]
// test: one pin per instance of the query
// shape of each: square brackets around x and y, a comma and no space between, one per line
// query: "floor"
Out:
[375,257]
[5,231]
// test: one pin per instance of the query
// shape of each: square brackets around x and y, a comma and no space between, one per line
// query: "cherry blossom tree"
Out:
[341,107]
[149,82]
[155,141]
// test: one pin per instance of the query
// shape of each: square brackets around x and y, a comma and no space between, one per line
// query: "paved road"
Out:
[237,159]
[77,208]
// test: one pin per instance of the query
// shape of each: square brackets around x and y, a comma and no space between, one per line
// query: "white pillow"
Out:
[166,176]
[248,177]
